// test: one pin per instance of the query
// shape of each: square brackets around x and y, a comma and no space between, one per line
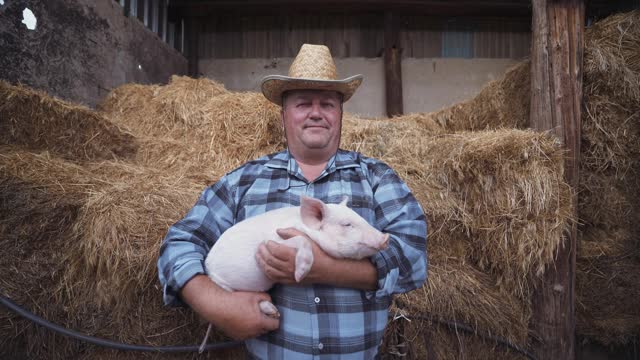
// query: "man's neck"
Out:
[311,167]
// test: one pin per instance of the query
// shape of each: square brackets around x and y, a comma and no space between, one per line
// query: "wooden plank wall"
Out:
[275,36]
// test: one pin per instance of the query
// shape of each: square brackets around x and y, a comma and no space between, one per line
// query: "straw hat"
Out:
[313,68]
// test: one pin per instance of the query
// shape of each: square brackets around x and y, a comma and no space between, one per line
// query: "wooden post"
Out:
[392,65]
[192,40]
[556,100]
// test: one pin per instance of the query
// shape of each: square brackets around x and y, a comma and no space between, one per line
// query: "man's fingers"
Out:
[281,252]
[275,269]
[288,233]
[276,275]
[270,323]
[272,256]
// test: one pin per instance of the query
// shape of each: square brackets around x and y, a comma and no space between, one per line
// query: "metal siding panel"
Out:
[457,40]
[271,36]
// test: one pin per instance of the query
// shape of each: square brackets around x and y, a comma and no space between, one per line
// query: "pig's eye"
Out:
[346,224]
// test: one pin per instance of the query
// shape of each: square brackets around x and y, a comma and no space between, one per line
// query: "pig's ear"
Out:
[345,200]
[312,212]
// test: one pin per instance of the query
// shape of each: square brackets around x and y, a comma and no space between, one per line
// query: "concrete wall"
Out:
[429,84]
[81,49]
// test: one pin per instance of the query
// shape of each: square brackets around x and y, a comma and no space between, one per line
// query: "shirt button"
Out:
[317,300]
[320,346]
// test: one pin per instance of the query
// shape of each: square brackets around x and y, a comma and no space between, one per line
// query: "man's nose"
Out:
[315,112]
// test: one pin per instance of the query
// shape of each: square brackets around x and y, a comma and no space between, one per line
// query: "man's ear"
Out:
[312,211]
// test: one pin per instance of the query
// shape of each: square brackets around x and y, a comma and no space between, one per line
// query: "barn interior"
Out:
[515,123]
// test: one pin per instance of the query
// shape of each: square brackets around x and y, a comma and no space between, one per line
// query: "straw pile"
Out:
[105,244]
[191,122]
[87,248]
[608,295]
[497,206]
[500,189]
[502,103]
[495,200]
[35,121]
[608,256]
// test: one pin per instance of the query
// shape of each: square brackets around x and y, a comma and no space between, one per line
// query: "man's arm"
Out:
[278,263]
[237,314]
[182,274]
[402,266]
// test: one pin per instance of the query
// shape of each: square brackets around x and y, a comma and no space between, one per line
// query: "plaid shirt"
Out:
[318,321]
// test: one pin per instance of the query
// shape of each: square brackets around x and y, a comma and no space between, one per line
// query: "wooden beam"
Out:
[191,37]
[426,7]
[556,100]
[392,65]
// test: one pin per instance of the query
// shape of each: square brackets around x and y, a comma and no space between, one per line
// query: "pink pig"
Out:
[338,230]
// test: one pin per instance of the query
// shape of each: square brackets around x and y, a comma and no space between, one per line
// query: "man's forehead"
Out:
[308,93]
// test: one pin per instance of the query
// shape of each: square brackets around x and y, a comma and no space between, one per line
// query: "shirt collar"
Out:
[340,160]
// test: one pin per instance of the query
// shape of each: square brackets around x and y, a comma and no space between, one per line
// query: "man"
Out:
[340,309]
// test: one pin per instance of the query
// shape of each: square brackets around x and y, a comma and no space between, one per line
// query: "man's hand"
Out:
[237,313]
[278,261]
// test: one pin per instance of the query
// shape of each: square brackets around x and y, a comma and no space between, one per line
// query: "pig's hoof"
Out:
[269,309]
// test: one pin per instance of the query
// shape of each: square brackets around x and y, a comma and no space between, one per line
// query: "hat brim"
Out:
[274,85]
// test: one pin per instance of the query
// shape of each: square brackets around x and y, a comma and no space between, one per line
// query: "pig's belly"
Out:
[233,267]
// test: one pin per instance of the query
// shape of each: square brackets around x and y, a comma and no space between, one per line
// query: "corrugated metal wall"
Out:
[275,36]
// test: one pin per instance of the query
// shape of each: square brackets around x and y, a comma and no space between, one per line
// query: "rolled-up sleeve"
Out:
[402,266]
[188,241]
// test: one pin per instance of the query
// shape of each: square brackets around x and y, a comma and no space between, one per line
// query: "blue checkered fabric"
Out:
[319,321]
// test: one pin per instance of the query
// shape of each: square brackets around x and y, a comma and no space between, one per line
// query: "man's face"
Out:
[312,121]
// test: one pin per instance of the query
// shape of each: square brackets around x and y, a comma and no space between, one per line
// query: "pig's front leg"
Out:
[304,255]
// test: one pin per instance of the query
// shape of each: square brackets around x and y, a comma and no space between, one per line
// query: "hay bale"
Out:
[33,249]
[457,290]
[35,121]
[497,207]
[154,110]
[503,190]
[122,219]
[610,150]
[129,105]
[182,93]
[605,202]
[241,127]
[234,128]
[610,136]
[120,228]
[612,58]
[607,292]
[420,339]
[86,260]
[502,103]
[608,265]
[194,122]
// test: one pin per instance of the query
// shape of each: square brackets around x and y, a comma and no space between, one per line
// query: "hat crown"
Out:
[313,62]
